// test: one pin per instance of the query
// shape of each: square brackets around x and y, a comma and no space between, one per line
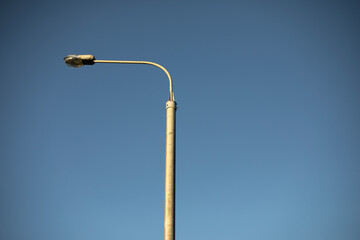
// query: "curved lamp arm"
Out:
[171,94]
[81,60]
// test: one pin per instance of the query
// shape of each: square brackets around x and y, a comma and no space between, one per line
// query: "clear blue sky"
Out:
[268,124]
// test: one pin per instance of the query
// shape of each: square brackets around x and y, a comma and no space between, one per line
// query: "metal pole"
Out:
[169,219]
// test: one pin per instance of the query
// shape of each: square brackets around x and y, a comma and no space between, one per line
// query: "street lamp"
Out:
[169,217]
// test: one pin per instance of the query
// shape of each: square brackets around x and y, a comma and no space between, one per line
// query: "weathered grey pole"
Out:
[169,219]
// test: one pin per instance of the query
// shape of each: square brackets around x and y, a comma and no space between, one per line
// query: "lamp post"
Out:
[169,216]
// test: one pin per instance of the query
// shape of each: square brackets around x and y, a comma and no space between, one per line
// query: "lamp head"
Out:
[79,60]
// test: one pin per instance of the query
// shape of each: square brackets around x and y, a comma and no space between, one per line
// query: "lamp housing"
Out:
[79,60]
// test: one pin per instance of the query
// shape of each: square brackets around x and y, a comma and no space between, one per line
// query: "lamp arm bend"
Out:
[171,94]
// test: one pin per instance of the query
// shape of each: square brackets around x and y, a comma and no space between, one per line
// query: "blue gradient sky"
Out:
[268,134]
